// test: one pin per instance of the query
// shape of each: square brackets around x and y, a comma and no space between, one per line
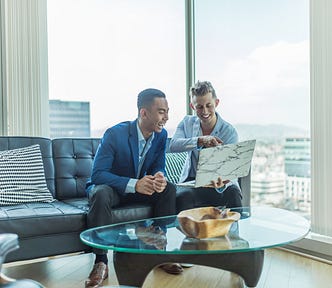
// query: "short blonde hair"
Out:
[202,88]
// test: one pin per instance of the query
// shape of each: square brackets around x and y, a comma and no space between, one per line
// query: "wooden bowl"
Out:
[206,222]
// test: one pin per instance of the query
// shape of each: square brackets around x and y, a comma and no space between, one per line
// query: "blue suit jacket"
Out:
[117,158]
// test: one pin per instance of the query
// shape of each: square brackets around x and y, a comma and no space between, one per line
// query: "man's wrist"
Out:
[200,142]
[131,186]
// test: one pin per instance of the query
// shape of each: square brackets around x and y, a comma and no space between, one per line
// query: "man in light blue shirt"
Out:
[205,129]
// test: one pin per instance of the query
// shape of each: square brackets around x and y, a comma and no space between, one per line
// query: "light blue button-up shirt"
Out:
[143,148]
[186,137]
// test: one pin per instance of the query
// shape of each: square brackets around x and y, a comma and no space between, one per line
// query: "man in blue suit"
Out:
[129,167]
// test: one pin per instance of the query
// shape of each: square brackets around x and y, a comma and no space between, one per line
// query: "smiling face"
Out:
[154,118]
[205,107]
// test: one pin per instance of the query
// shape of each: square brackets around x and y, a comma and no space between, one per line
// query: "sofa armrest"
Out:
[245,184]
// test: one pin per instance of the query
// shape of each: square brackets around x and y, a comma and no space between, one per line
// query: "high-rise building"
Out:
[69,118]
[268,176]
[297,169]
[268,188]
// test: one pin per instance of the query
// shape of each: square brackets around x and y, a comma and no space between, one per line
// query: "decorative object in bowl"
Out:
[206,222]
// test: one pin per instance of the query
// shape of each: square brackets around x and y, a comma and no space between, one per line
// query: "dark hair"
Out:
[145,98]
[202,88]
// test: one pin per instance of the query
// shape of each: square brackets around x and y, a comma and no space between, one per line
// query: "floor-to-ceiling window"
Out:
[102,53]
[256,54]
[320,91]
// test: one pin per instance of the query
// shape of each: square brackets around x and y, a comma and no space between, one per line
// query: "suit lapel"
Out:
[133,143]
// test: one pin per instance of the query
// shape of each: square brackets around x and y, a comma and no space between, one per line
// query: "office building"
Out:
[297,169]
[268,188]
[69,119]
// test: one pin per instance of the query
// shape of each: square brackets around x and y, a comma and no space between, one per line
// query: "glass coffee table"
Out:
[141,245]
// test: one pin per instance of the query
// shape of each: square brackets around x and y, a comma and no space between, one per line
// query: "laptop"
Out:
[230,161]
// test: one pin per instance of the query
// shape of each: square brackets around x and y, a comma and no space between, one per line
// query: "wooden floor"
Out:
[281,269]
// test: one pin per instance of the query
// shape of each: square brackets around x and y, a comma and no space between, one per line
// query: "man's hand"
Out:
[209,141]
[145,185]
[159,182]
[150,184]
[218,184]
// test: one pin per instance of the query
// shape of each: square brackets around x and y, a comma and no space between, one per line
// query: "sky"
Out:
[258,59]
[255,53]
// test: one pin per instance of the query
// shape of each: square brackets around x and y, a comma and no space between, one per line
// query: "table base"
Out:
[132,268]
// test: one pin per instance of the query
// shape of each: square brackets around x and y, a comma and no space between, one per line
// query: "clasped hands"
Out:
[150,184]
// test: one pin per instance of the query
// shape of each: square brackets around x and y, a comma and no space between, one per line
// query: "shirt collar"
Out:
[216,128]
[140,134]
[218,125]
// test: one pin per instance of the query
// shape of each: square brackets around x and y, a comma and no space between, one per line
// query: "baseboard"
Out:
[315,246]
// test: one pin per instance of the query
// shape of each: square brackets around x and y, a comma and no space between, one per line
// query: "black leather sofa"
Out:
[48,229]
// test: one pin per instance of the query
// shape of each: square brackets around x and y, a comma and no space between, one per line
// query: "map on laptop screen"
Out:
[230,161]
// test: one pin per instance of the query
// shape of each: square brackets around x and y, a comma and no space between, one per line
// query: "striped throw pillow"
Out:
[22,177]
[174,165]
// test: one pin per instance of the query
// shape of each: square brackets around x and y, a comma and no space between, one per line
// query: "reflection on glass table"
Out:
[159,240]
[258,227]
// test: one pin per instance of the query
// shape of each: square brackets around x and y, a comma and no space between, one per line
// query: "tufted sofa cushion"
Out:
[35,219]
[73,159]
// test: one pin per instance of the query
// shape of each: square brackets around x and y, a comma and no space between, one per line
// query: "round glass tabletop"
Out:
[258,228]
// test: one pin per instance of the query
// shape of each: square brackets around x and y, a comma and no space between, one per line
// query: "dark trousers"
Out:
[102,198]
[188,198]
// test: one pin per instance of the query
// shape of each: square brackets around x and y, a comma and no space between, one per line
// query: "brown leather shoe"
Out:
[98,274]
[172,268]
